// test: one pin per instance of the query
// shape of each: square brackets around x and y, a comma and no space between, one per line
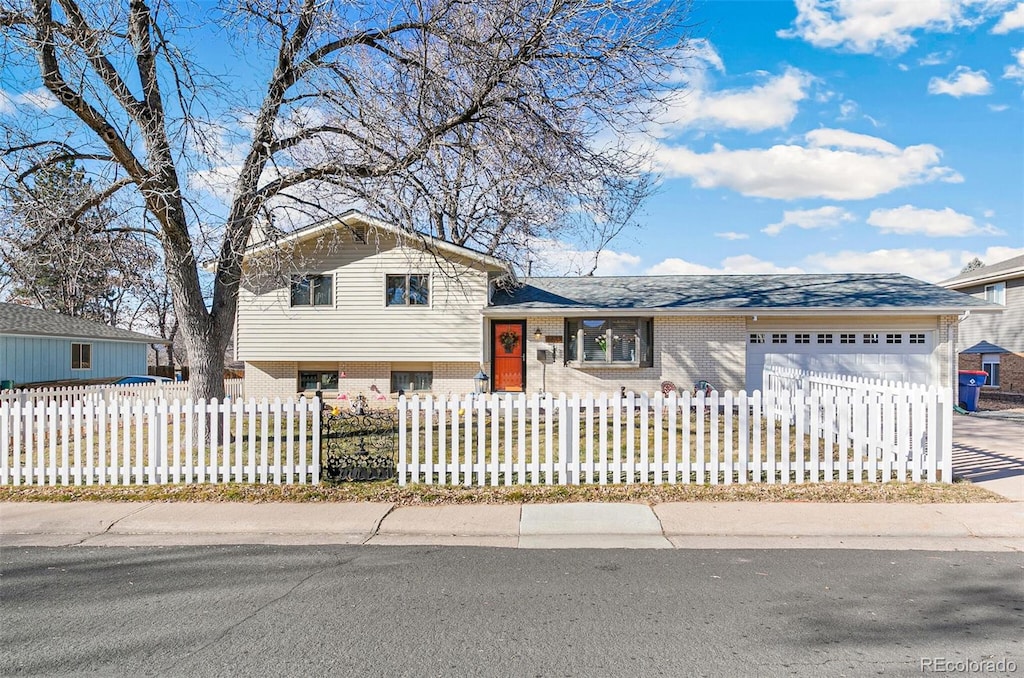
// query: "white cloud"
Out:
[833,164]
[998,108]
[1015,71]
[703,50]
[881,25]
[961,82]
[925,264]
[555,258]
[935,58]
[39,99]
[744,263]
[754,109]
[1010,21]
[732,235]
[823,217]
[945,223]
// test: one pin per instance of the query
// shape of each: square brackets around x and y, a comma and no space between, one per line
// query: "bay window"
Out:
[614,341]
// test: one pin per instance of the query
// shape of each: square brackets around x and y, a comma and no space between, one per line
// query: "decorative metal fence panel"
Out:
[358,443]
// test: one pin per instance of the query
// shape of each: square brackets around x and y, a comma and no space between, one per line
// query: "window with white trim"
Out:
[894,338]
[622,341]
[780,338]
[81,356]
[757,338]
[312,290]
[996,293]
[917,337]
[847,338]
[825,338]
[801,338]
[408,290]
[870,338]
[990,364]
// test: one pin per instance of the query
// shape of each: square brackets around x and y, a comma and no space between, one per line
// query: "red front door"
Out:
[508,348]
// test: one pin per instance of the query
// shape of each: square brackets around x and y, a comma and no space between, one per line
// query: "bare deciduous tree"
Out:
[61,258]
[487,123]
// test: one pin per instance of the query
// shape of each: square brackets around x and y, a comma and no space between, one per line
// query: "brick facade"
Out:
[1011,371]
[686,350]
[370,379]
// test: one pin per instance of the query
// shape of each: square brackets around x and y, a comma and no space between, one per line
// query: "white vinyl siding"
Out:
[1001,329]
[360,326]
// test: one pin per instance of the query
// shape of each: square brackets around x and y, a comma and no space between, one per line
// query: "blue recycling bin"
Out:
[971,382]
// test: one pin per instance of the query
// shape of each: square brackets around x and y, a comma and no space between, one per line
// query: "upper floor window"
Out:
[610,340]
[312,290]
[408,290]
[996,293]
[81,356]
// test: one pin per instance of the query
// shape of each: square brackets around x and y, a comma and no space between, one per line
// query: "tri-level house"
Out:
[994,342]
[356,307]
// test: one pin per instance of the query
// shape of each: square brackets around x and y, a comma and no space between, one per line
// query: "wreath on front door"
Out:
[509,340]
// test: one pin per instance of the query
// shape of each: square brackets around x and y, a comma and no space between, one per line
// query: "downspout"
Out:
[954,361]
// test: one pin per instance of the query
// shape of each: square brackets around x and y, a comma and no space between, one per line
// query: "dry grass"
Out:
[411,495]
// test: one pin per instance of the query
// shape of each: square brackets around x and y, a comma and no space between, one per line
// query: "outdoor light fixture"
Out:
[481,382]
[537,336]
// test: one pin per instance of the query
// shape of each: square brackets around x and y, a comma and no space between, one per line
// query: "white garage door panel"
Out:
[891,362]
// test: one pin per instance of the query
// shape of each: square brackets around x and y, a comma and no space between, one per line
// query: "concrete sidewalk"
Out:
[940,527]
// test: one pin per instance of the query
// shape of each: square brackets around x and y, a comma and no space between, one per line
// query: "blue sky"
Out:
[840,136]
[807,136]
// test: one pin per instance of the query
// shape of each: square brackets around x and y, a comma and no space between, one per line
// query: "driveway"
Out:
[990,452]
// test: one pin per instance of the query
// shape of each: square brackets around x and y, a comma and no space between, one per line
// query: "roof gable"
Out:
[737,293]
[1001,270]
[25,321]
[358,222]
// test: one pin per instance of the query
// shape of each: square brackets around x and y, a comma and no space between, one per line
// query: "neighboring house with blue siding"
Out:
[38,345]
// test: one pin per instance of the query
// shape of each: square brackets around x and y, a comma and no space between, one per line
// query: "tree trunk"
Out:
[206,363]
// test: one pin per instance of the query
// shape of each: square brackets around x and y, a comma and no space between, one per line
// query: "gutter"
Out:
[521,311]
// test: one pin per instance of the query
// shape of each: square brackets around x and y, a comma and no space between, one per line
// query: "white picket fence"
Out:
[844,435]
[92,441]
[111,393]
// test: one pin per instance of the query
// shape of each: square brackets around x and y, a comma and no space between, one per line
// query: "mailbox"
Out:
[545,355]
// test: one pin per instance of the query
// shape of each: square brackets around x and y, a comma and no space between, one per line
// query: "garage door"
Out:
[891,355]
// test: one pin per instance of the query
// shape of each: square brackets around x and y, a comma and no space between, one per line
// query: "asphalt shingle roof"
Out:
[22,320]
[984,347]
[882,292]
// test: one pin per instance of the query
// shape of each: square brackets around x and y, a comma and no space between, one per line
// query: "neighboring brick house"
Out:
[994,342]
[367,309]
